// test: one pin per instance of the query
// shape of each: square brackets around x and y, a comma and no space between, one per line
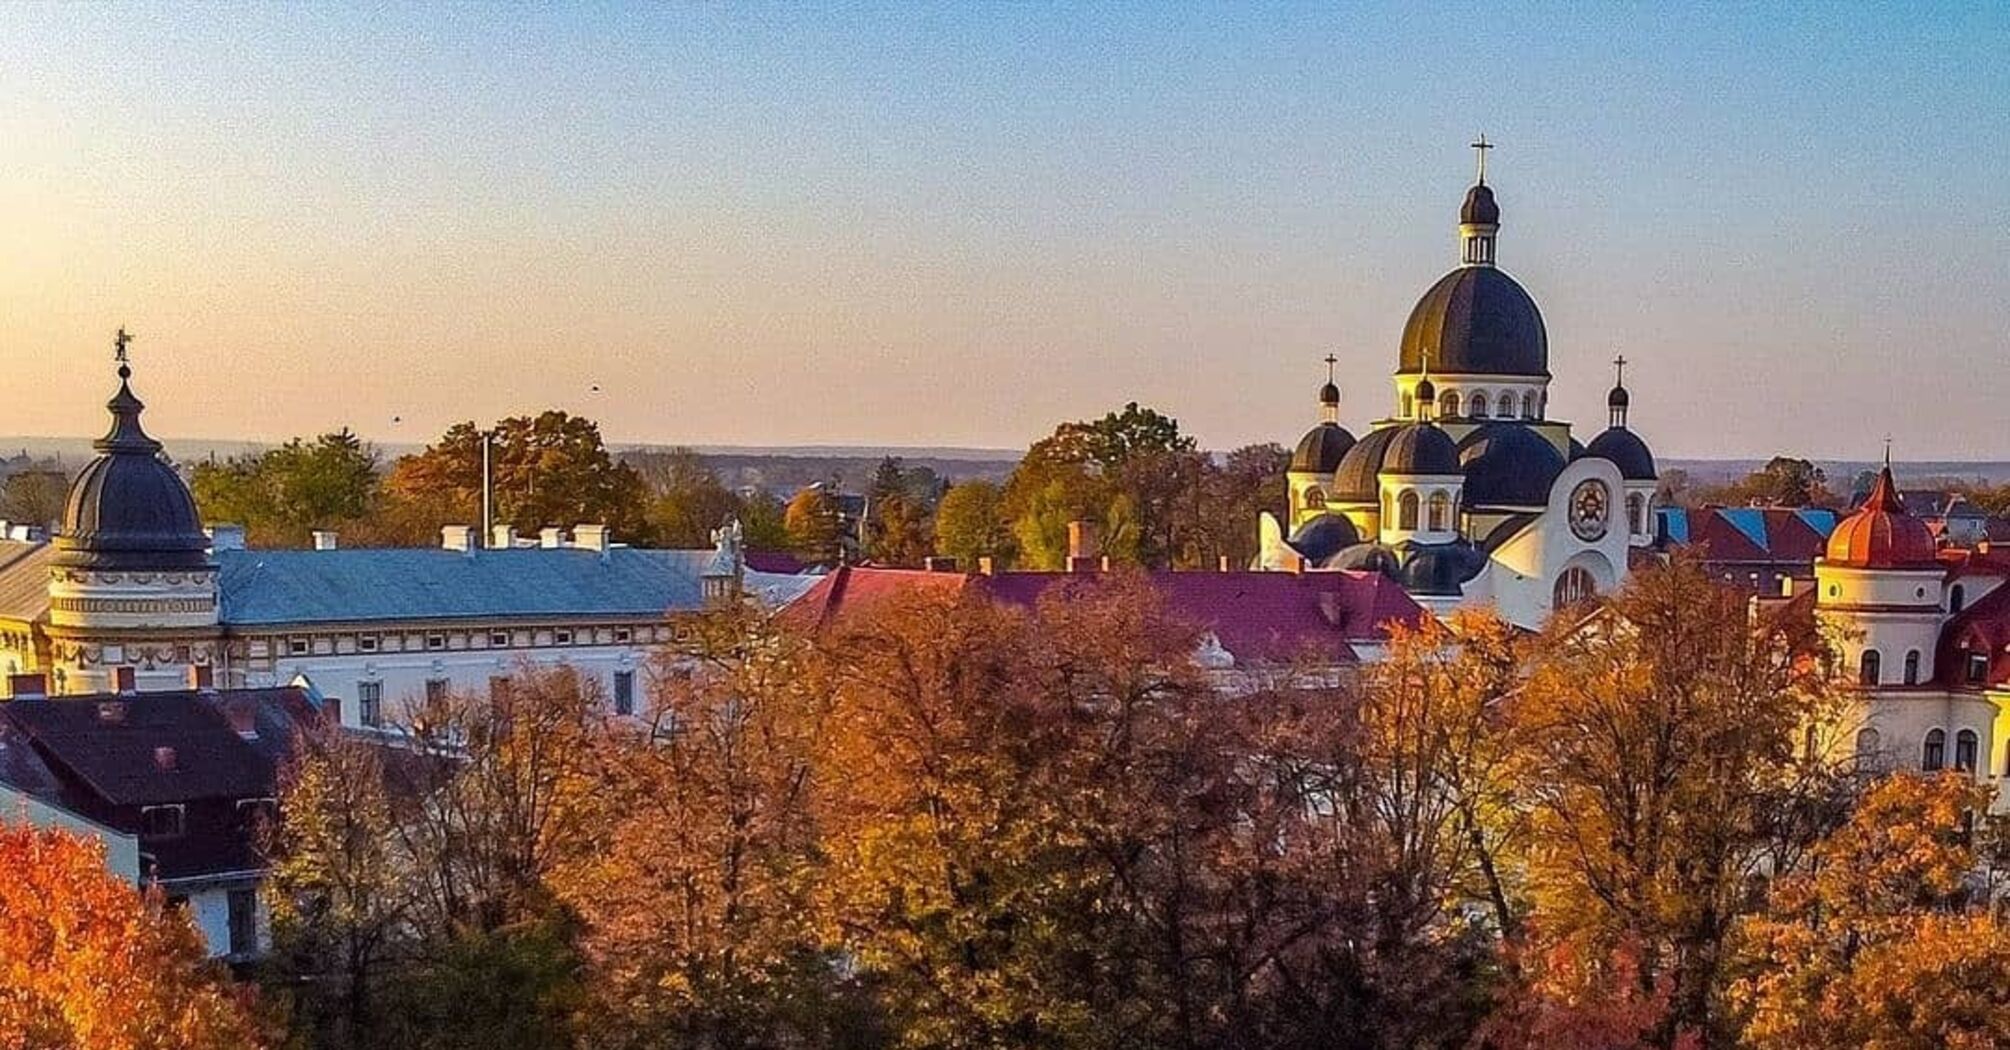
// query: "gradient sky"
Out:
[960,224]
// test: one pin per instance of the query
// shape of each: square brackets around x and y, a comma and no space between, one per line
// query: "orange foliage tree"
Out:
[86,961]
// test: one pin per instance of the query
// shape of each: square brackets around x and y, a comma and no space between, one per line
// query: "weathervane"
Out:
[1480,147]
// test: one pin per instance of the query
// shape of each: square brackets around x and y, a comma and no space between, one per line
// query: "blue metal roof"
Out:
[1751,521]
[1674,523]
[259,587]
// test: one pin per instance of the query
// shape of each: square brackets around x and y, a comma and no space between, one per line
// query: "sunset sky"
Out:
[959,224]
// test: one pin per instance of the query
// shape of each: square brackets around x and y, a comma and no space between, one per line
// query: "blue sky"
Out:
[961,224]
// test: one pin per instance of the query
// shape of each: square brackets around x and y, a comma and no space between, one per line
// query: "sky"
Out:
[959,224]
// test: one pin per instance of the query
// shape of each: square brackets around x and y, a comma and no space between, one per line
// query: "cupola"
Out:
[1882,534]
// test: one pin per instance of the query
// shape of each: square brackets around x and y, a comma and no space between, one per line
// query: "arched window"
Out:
[1542,406]
[1636,513]
[1933,757]
[1528,405]
[1912,667]
[1575,585]
[1964,750]
[1479,409]
[1386,512]
[1441,511]
[1448,404]
[1867,745]
[1867,671]
[1409,405]
[1956,599]
[1315,498]
[1406,509]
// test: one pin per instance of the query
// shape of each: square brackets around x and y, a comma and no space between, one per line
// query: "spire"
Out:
[1884,491]
[126,434]
[1618,400]
[1479,217]
[1329,395]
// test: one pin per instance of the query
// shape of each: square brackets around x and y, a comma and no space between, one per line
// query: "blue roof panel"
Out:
[1751,521]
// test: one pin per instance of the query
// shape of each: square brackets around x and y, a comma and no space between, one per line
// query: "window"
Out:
[256,813]
[297,646]
[1957,599]
[242,906]
[1441,511]
[1406,510]
[1867,745]
[436,690]
[1479,408]
[1636,513]
[1448,404]
[561,637]
[1912,667]
[1964,750]
[370,703]
[161,822]
[1868,670]
[1575,585]
[1409,406]
[1934,757]
[499,639]
[1314,500]
[623,635]
[624,692]
[366,643]
[1978,667]
[436,641]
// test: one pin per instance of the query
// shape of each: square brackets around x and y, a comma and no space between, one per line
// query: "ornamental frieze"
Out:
[133,605]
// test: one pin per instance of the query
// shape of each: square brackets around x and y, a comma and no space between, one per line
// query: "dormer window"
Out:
[161,822]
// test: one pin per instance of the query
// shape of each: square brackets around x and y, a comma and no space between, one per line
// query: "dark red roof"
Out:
[1982,627]
[779,562]
[1881,535]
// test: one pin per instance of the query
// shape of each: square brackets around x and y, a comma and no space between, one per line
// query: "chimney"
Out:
[590,538]
[226,538]
[324,539]
[987,565]
[124,681]
[202,678]
[938,563]
[166,760]
[28,686]
[458,538]
[1082,552]
[502,537]
[1221,565]
[550,538]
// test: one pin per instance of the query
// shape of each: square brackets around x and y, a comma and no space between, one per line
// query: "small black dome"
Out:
[1439,569]
[1508,465]
[1356,479]
[1321,449]
[1626,451]
[1479,206]
[1617,398]
[1421,448]
[1329,394]
[1366,557]
[1476,320]
[128,508]
[1324,536]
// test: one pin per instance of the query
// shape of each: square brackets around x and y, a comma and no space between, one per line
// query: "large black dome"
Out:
[128,509]
[1626,451]
[1508,465]
[1321,449]
[1357,478]
[1476,320]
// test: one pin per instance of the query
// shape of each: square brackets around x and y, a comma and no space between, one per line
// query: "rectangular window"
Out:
[436,641]
[622,635]
[243,908]
[436,690]
[561,637]
[296,646]
[1978,667]
[370,703]
[498,639]
[624,692]
[366,643]
[254,814]
[161,822]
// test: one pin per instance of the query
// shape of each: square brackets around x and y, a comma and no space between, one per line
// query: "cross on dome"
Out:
[1480,146]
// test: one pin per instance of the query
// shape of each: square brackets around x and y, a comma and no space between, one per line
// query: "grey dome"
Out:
[1366,557]
[1356,479]
[1626,451]
[1477,320]
[1439,569]
[128,509]
[1324,536]
[1321,449]
[1421,448]
[1508,465]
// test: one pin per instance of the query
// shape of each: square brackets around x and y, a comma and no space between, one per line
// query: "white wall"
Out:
[122,851]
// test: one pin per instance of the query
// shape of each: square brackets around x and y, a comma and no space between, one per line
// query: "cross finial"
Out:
[1330,362]
[1480,147]
[1619,364]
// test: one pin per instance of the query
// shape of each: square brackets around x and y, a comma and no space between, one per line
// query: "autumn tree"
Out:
[1131,472]
[548,469]
[969,524]
[1785,481]
[1664,755]
[34,496]
[687,499]
[89,963]
[815,525]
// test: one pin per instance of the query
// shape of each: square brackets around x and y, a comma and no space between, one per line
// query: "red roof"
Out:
[1983,627]
[1254,615]
[1881,535]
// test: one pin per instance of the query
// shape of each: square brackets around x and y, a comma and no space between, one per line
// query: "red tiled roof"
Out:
[1881,535]
[1982,627]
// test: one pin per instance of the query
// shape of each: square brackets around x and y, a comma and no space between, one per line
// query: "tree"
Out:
[899,532]
[88,962]
[815,525]
[1663,757]
[551,469]
[34,497]
[282,494]
[1132,472]
[1783,482]
[1249,481]
[969,524]
[689,501]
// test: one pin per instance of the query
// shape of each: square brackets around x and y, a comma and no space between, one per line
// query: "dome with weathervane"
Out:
[128,509]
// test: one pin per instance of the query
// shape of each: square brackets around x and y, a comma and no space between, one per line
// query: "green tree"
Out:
[282,494]
[689,500]
[969,524]
[1131,472]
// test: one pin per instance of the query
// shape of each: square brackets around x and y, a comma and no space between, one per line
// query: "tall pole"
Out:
[488,486]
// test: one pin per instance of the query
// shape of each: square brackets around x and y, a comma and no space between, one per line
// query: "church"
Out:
[1470,492]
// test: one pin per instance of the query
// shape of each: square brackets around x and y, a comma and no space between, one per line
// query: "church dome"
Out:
[1324,536]
[128,508]
[1439,569]
[1882,534]
[1508,465]
[1357,478]
[1421,448]
[1321,449]
[1476,320]
[1626,451]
